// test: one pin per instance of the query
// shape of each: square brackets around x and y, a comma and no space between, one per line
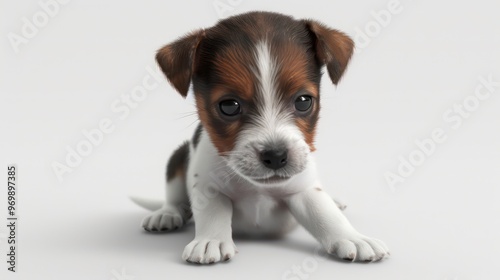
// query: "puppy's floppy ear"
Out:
[333,48]
[176,60]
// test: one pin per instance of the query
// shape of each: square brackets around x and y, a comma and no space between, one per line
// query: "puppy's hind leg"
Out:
[177,210]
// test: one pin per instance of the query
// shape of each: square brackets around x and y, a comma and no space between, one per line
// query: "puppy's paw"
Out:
[164,219]
[208,251]
[359,248]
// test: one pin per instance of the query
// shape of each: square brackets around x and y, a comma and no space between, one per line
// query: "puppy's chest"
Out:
[255,209]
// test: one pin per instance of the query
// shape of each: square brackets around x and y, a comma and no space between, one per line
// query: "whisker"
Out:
[188,114]
[195,121]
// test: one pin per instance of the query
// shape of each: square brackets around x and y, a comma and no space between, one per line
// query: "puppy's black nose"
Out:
[274,159]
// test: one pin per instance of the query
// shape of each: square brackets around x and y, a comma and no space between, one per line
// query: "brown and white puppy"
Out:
[248,169]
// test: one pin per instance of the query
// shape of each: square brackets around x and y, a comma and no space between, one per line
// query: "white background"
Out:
[440,223]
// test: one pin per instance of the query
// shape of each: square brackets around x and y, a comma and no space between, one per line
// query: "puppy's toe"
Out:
[212,252]
[166,222]
[379,248]
[344,249]
[187,255]
[365,251]
[208,251]
[145,222]
[227,250]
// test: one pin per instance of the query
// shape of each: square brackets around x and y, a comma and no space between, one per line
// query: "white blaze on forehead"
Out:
[270,109]
[266,73]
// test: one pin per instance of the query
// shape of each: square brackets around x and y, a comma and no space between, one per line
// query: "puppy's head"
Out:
[256,80]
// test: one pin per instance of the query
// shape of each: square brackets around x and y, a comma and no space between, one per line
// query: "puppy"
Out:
[248,168]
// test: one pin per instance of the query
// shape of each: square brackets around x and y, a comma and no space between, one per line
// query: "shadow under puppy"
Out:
[248,168]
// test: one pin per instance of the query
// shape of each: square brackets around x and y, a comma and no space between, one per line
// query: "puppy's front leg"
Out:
[212,212]
[318,213]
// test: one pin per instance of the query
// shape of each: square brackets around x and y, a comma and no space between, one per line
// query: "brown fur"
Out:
[178,162]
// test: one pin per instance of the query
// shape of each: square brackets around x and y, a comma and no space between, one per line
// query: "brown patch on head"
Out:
[223,133]
[297,70]
[233,70]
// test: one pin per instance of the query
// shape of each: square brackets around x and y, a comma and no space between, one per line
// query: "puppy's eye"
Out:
[230,107]
[303,103]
